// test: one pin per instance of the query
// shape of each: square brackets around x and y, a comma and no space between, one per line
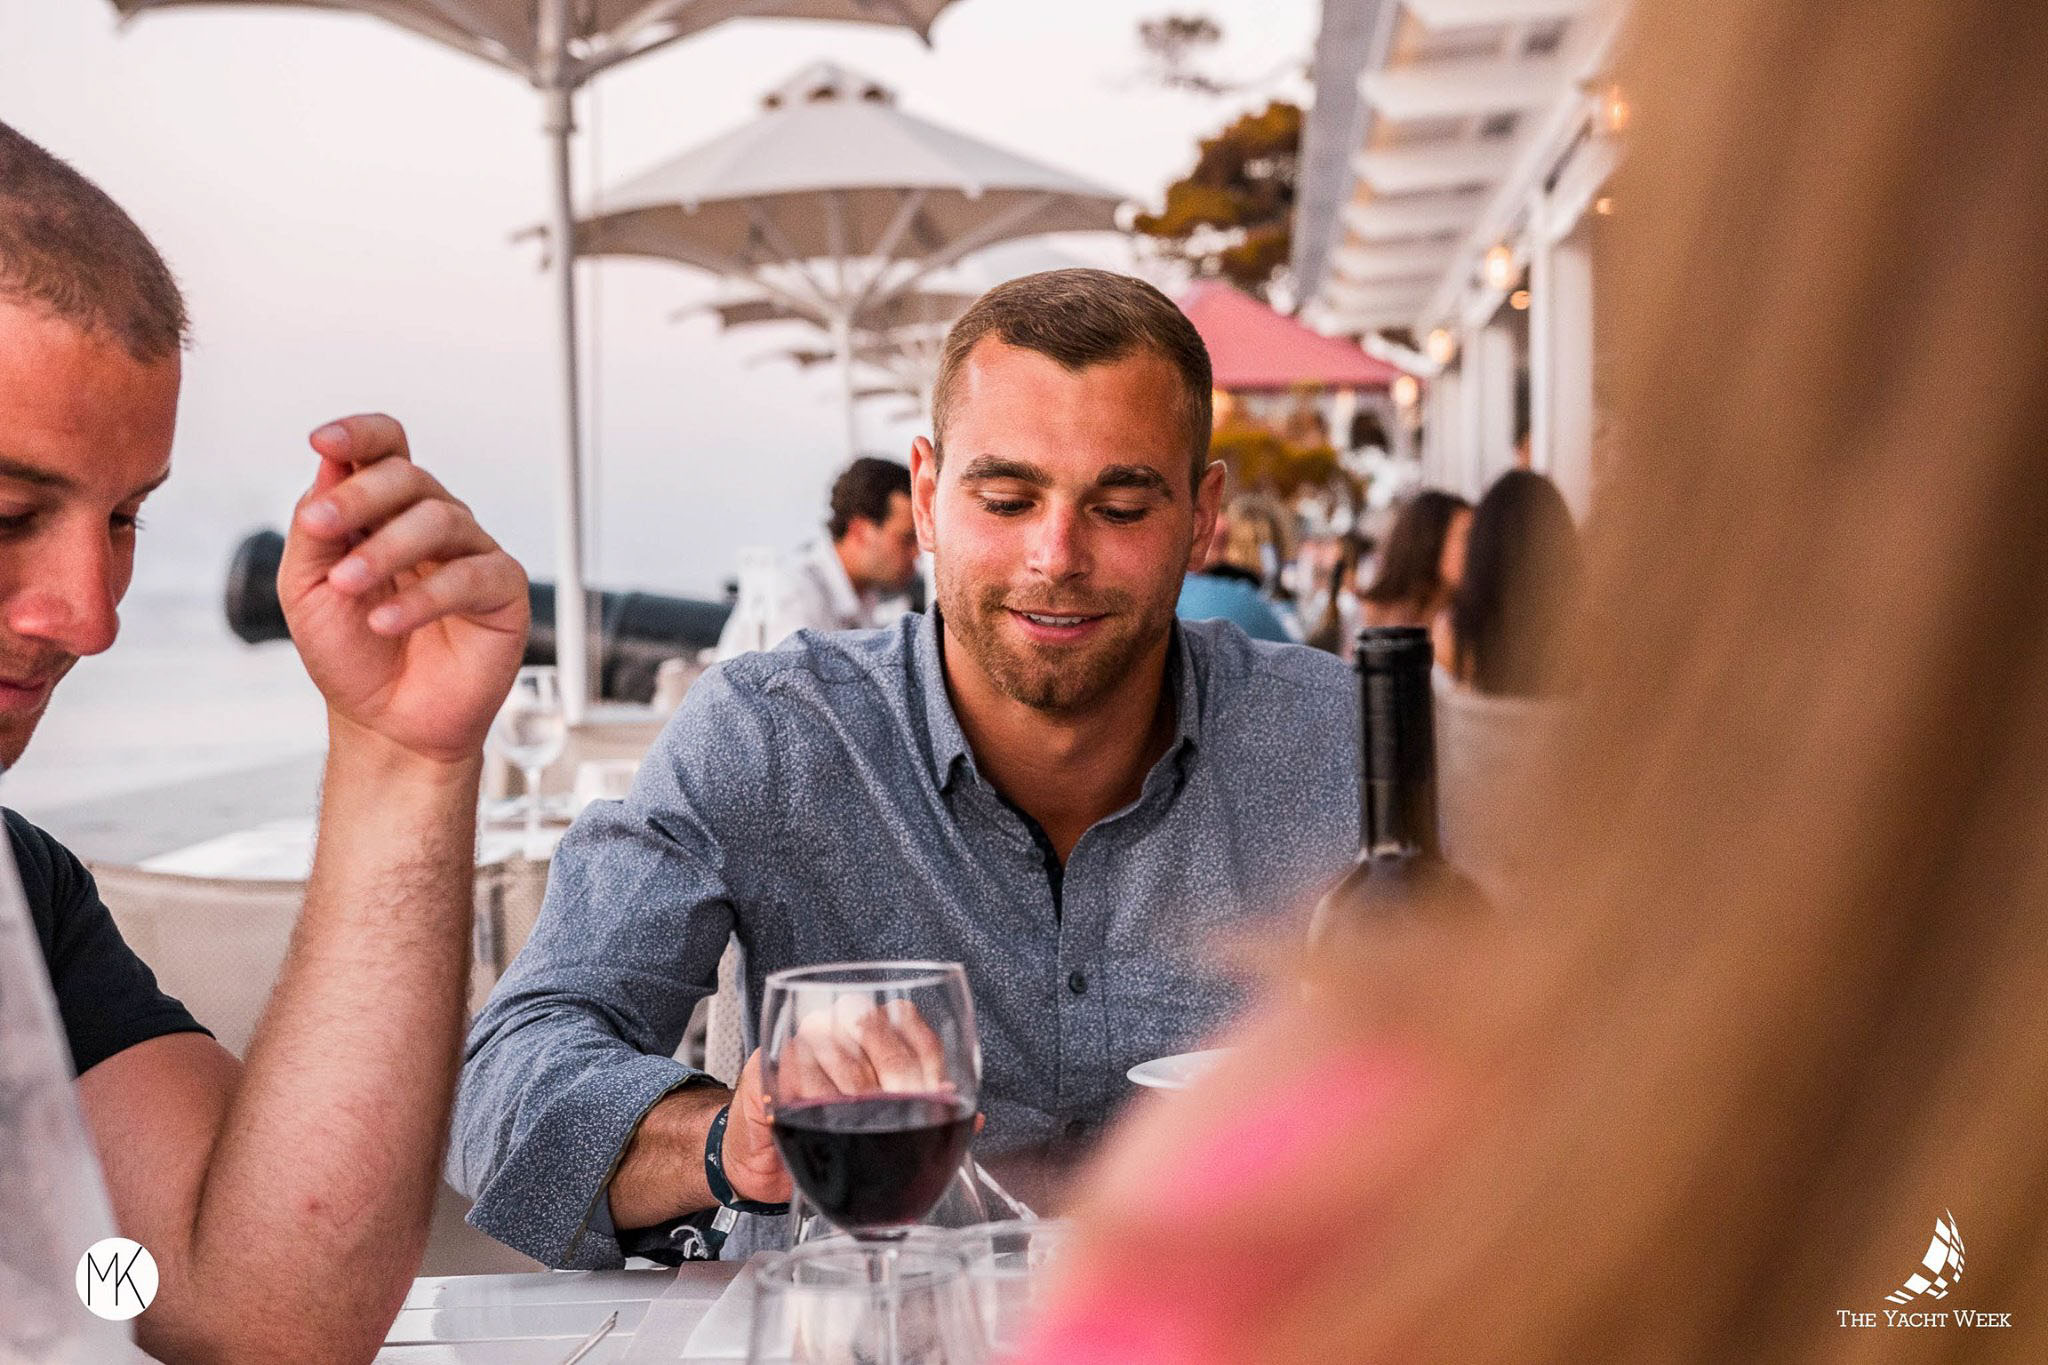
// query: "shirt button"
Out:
[1077,1128]
[1078,984]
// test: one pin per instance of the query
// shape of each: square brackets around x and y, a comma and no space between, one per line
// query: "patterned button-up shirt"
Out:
[821,802]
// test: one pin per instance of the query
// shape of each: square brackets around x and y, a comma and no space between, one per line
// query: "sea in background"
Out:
[177,698]
[345,205]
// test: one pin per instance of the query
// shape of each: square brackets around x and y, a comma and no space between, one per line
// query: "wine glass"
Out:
[872,1072]
[529,733]
[830,1302]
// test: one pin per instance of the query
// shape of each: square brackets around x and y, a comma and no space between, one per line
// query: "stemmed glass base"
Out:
[534,848]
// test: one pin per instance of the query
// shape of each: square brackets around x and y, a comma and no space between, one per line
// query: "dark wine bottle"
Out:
[1400,862]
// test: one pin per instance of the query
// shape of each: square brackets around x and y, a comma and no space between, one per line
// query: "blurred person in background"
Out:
[853,578]
[1337,612]
[285,1197]
[1504,634]
[1231,584]
[1419,563]
[1776,998]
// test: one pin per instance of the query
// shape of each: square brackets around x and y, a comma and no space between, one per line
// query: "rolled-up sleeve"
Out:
[575,1045]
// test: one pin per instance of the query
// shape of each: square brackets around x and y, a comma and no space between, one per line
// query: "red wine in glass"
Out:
[874,1164]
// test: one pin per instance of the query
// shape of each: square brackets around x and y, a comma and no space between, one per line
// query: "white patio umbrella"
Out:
[834,202]
[557,45]
[939,298]
[900,364]
[902,335]
[911,308]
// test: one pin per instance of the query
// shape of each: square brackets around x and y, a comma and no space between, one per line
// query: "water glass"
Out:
[838,1301]
[530,733]
[1008,1265]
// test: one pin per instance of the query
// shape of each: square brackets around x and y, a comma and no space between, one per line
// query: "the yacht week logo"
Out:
[1941,1270]
[1944,1261]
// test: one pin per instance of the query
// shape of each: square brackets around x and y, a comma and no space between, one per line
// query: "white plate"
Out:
[1177,1072]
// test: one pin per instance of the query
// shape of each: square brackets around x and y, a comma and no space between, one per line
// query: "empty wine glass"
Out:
[838,1301]
[873,1075]
[529,734]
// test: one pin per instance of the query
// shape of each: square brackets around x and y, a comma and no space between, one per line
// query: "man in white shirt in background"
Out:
[852,579]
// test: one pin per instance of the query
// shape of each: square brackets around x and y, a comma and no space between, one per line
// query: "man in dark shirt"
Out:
[285,1198]
[107,998]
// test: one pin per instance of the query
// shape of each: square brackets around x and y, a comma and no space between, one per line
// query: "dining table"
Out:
[543,1318]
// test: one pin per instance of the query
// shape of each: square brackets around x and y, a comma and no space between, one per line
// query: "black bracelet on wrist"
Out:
[714,1172]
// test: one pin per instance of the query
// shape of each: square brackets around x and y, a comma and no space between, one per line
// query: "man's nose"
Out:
[69,601]
[1059,549]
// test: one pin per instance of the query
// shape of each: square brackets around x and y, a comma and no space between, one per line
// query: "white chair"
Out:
[214,943]
[725,1044]
[675,677]
[217,944]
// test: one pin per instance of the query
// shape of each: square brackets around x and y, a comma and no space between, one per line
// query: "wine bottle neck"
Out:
[1397,788]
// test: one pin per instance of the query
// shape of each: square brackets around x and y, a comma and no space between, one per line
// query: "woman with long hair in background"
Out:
[1504,631]
[1499,692]
[1418,565]
[1776,998]
[1337,619]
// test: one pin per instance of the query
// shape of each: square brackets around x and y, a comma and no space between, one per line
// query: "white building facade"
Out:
[1452,191]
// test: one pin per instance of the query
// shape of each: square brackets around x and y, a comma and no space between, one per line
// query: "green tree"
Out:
[1232,215]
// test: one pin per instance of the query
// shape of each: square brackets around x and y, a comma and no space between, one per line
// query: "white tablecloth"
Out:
[538,1319]
[282,850]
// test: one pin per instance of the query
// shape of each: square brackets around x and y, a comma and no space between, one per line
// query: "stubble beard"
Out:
[1056,680]
[16,731]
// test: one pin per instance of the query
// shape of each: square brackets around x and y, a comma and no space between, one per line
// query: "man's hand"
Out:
[751,1162]
[410,619]
[855,1049]
[849,1050]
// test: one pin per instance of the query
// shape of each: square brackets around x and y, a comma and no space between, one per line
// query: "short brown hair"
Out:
[1081,317]
[68,247]
[863,490]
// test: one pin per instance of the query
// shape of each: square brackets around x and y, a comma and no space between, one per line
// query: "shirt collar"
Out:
[846,603]
[949,742]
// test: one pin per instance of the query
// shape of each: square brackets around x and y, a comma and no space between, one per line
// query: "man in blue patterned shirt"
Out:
[1045,778]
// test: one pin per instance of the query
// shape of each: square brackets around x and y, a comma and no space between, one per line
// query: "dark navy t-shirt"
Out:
[106,995]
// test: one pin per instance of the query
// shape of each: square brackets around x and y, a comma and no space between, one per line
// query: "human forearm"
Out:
[661,1173]
[319,1191]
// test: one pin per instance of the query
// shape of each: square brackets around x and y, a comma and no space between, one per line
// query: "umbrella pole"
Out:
[842,341]
[572,633]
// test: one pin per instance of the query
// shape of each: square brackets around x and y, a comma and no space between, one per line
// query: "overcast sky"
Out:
[339,197]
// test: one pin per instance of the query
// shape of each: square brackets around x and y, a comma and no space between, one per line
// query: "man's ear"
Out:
[924,488]
[1208,506]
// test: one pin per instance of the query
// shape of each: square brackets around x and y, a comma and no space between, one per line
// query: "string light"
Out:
[1604,205]
[1441,346]
[1519,300]
[1614,110]
[1405,390]
[1499,267]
